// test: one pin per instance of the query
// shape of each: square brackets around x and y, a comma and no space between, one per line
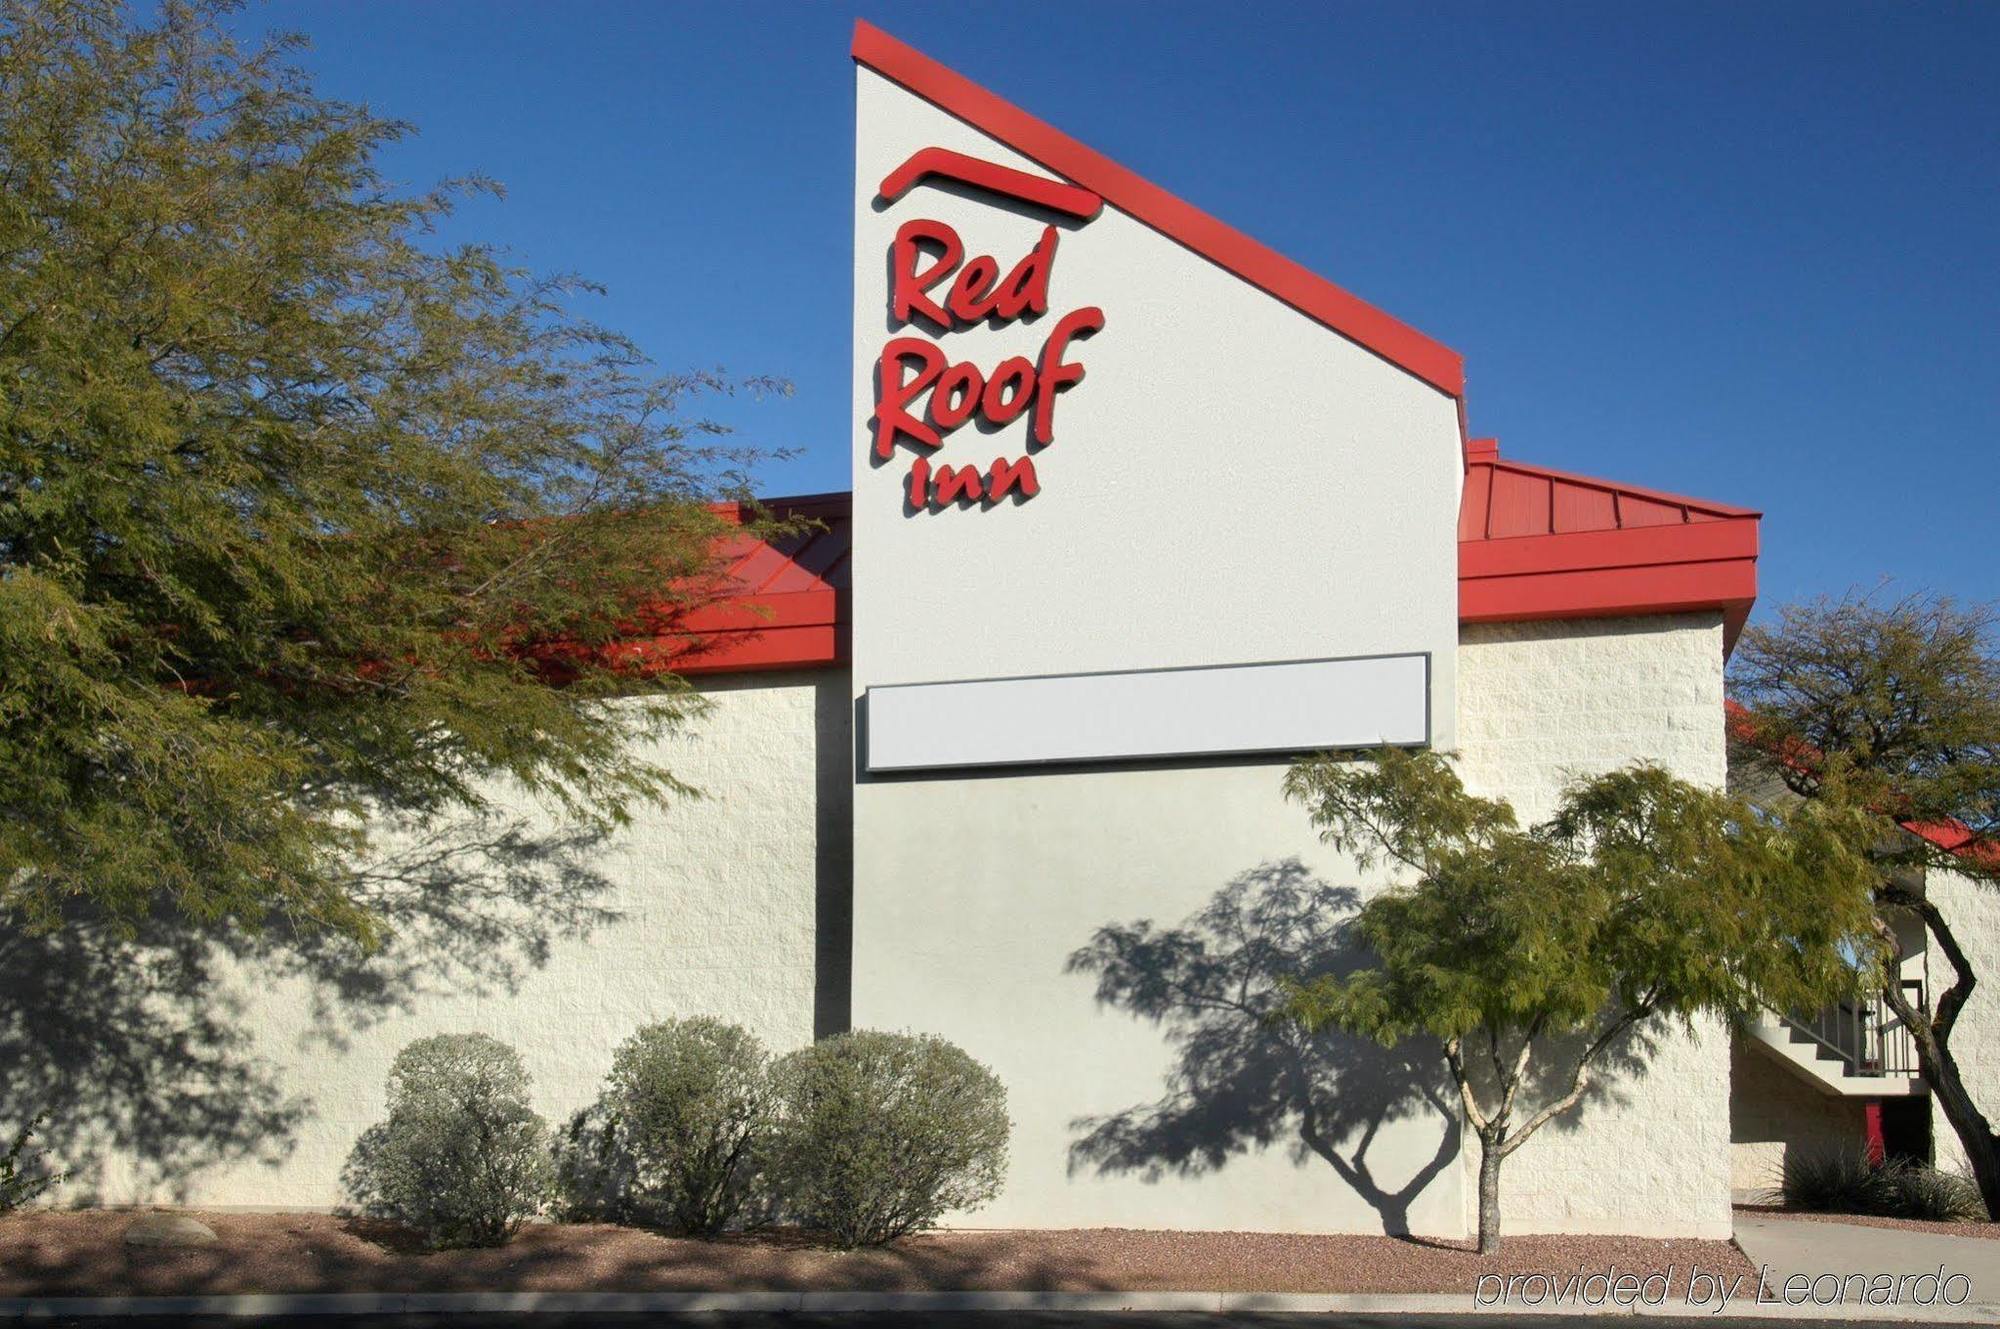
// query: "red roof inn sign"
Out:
[922,394]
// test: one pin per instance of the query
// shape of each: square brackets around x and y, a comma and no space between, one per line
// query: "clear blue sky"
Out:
[1749,252]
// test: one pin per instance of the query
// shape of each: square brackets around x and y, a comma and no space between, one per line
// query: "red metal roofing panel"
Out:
[1519,505]
[1583,508]
[1473,503]
[1634,512]
[1536,543]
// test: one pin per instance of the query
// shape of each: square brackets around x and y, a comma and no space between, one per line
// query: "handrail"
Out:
[1866,1035]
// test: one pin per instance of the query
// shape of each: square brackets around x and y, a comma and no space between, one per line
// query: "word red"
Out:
[978,292]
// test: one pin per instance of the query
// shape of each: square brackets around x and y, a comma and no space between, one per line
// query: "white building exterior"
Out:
[1254,468]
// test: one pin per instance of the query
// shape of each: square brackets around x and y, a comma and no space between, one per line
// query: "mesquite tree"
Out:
[1894,707]
[303,512]
[1532,953]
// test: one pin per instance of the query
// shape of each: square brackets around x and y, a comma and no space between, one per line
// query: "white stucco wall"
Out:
[967,935]
[1539,704]
[1972,908]
[715,913]
[718,911]
[977,955]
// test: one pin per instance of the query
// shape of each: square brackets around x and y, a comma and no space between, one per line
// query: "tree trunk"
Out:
[1975,1134]
[1939,1069]
[1490,1159]
[1935,1062]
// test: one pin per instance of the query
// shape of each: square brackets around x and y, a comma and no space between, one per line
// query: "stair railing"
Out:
[1866,1034]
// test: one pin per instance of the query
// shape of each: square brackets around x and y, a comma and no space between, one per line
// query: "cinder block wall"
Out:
[736,905]
[1972,909]
[1540,704]
[732,904]
[1774,1112]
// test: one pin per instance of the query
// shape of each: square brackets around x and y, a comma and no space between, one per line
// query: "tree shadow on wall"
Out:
[140,1046]
[1243,1079]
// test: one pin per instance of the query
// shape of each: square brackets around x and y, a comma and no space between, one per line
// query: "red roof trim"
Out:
[1730,586]
[1646,546]
[1305,291]
[1535,543]
[784,605]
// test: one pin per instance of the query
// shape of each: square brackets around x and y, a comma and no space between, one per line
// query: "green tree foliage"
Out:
[1532,954]
[22,1181]
[302,511]
[1893,706]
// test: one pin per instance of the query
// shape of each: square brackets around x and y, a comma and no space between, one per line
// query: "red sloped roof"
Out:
[1536,543]
[1533,544]
[1508,499]
[783,604]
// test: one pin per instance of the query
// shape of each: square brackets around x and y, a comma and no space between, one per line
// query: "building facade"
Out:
[1140,511]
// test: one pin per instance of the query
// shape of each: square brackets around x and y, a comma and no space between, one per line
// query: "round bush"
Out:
[462,1158]
[690,1099]
[879,1134]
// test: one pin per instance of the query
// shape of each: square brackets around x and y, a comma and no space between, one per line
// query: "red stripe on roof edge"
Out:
[1265,268]
[1596,573]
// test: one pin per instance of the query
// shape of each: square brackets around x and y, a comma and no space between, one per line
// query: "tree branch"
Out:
[1945,1009]
[1454,1057]
[1580,1080]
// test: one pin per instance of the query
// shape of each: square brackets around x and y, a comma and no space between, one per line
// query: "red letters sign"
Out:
[921,394]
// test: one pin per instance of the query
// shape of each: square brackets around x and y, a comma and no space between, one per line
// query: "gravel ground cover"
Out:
[81,1253]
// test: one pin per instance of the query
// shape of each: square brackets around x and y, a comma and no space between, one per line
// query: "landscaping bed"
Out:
[82,1253]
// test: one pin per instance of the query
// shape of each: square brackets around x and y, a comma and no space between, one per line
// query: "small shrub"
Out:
[1846,1181]
[1831,1181]
[879,1134]
[1916,1191]
[21,1184]
[462,1158]
[691,1100]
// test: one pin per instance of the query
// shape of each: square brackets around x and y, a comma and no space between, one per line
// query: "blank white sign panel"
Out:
[1297,706]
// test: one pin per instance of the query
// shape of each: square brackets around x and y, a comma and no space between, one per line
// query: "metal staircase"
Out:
[1852,1049]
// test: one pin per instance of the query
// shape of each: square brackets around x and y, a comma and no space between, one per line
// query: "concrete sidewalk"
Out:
[926,1308]
[1797,1246]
